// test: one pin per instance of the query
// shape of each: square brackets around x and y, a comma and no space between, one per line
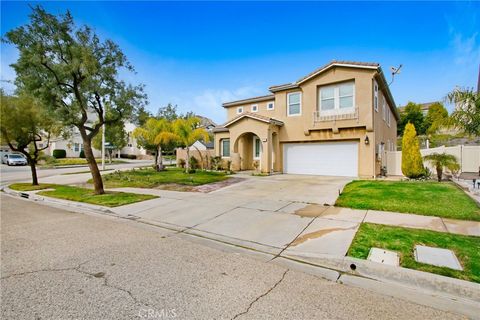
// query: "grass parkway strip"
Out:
[109,199]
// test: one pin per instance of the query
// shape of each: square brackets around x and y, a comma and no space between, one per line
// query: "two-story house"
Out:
[338,120]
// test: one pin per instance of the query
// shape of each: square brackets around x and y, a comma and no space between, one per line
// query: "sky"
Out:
[198,55]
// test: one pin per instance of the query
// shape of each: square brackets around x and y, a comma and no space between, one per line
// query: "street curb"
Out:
[31,195]
[420,280]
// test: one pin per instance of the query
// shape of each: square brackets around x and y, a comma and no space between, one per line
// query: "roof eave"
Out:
[249,100]
[390,96]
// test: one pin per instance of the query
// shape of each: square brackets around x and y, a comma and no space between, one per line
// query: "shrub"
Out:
[128,156]
[182,163]
[82,154]
[412,164]
[216,162]
[59,153]
[192,171]
[193,163]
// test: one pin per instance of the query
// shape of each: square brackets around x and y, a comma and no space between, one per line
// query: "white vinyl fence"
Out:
[467,156]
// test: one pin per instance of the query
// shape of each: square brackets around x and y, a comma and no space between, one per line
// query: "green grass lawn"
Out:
[149,178]
[403,241]
[109,199]
[77,161]
[425,198]
[81,172]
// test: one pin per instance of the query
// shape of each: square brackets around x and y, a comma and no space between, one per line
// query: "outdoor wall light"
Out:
[367,141]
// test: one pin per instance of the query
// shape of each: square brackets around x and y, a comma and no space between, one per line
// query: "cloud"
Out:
[466,48]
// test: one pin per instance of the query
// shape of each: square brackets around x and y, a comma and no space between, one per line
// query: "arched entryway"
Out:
[249,147]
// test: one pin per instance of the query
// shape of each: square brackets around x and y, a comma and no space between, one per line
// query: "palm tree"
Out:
[467,109]
[187,132]
[441,160]
[154,134]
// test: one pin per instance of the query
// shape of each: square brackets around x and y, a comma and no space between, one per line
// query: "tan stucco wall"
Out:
[303,128]
[383,133]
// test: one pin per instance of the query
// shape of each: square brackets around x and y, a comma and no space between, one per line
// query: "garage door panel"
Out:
[332,158]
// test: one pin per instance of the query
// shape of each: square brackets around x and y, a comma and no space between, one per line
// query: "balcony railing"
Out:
[318,116]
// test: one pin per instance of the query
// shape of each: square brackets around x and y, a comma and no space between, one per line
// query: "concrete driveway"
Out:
[269,214]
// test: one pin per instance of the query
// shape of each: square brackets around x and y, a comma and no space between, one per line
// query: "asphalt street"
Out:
[58,264]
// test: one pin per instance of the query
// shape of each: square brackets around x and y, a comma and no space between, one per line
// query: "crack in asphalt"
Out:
[78,269]
[261,296]
[45,270]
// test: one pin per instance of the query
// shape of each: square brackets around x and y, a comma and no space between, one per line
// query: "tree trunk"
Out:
[33,168]
[439,173]
[155,156]
[92,164]
[159,160]
[187,161]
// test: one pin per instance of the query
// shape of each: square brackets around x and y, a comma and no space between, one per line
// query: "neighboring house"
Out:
[202,145]
[73,145]
[202,151]
[339,120]
[206,123]
[424,107]
[132,148]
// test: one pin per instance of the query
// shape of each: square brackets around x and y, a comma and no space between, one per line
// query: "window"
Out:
[294,103]
[270,106]
[375,95]
[384,109]
[76,147]
[254,108]
[337,98]
[389,113]
[257,148]
[239,110]
[225,146]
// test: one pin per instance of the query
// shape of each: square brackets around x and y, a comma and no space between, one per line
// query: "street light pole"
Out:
[103,141]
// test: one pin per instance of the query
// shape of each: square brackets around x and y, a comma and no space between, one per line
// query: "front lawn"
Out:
[425,198]
[77,161]
[403,241]
[149,178]
[109,199]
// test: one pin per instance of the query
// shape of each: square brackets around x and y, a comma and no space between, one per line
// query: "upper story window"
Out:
[375,95]
[254,107]
[239,110]
[384,109]
[294,104]
[270,105]
[225,146]
[338,98]
[76,147]
[389,113]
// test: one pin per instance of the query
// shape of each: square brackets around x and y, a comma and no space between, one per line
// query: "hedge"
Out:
[59,153]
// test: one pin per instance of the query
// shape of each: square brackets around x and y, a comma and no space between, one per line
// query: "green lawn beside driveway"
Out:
[149,178]
[419,197]
[403,241]
[109,199]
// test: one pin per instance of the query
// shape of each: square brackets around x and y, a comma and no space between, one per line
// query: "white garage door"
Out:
[329,158]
